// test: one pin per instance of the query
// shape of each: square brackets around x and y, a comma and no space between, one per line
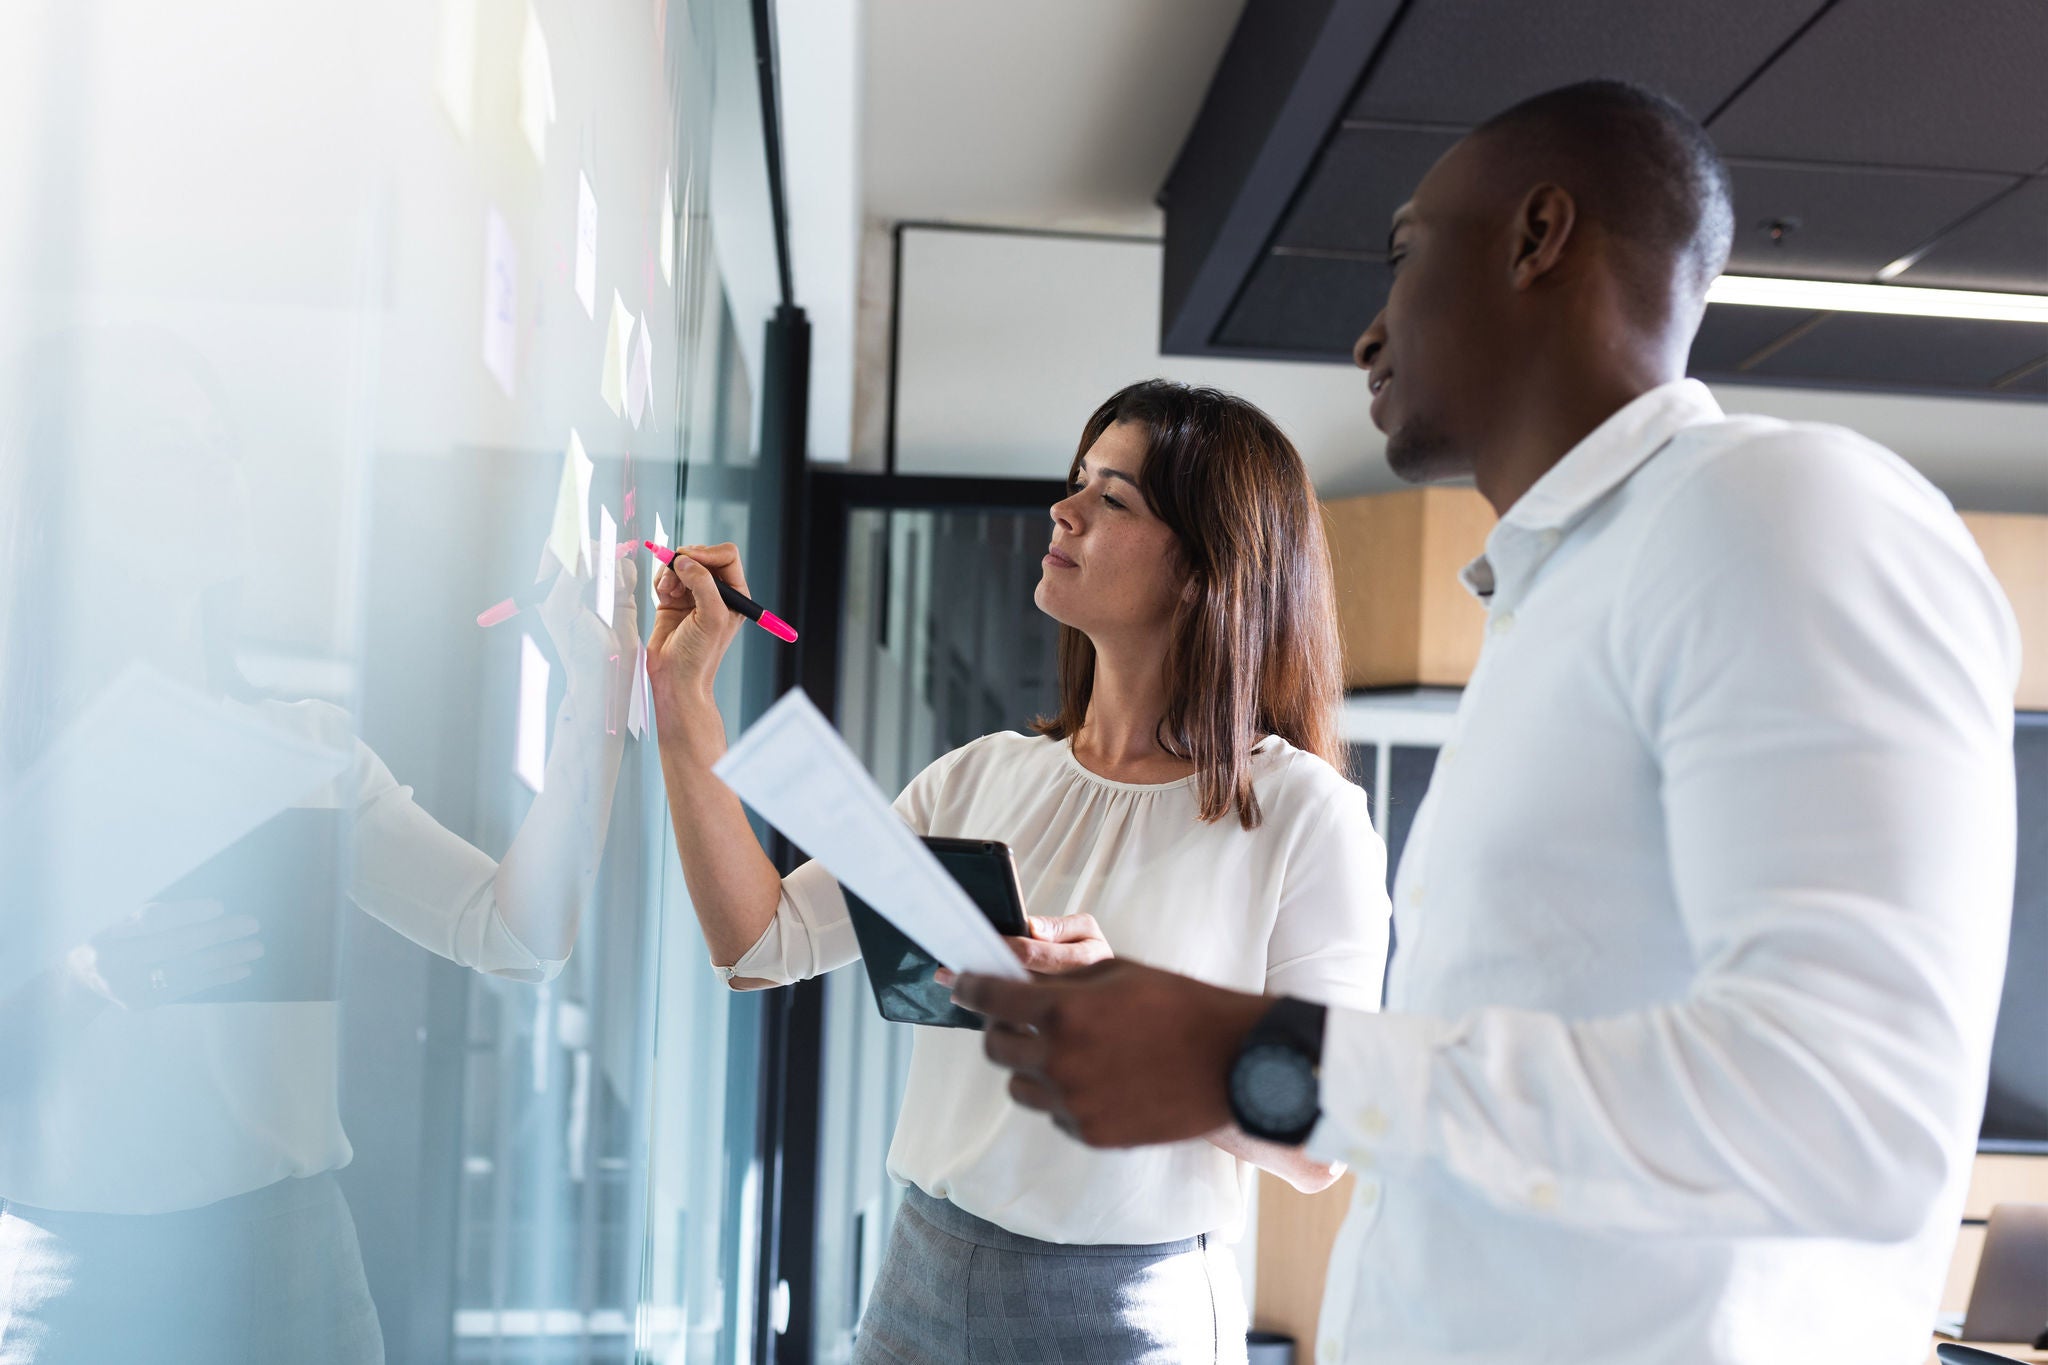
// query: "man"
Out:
[1703,921]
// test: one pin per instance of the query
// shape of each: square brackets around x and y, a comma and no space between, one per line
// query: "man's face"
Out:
[1434,351]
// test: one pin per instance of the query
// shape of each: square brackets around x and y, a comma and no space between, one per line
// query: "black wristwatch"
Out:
[1275,1090]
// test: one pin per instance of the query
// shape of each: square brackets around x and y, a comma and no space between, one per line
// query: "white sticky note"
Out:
[501,303]
[456,82]
[640,375]
[586,245]
[636,709]
[569,538]
[618,340]
[668,228]
[660,532]
[606,569]
[530,744]
[796,772]
[536,87]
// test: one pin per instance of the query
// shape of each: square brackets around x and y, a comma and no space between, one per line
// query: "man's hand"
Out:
[1118,1054]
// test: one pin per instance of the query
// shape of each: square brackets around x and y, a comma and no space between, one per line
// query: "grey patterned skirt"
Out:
[955,1290]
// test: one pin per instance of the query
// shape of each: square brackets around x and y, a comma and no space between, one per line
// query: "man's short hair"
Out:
[1637,163]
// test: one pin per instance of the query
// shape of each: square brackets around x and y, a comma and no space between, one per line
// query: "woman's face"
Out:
[1113,569]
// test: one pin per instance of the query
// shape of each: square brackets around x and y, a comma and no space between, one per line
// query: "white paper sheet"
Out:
[501,303]
[636,709]
[639,374]
[456,82]
[605,572]
[668,228]
[795,771]
[151,780]
[586,246]
[536,87]
[569,534]
[618,342]
[530,743]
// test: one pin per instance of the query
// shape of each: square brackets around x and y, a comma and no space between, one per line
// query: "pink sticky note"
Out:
[491,616]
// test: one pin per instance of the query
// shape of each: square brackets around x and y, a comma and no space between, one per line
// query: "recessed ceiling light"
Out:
[1831,296]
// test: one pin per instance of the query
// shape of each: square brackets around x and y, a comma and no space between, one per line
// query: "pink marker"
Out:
[738,601]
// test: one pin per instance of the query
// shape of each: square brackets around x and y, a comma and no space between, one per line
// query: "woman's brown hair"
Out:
[1253,649]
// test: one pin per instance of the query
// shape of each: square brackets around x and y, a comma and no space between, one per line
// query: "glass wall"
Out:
[941,644]
[353,1005]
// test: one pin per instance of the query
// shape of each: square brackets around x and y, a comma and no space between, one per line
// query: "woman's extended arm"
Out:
[733,886]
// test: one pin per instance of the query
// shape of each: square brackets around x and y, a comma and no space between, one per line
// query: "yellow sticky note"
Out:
[536,87]
[618,341]
[568,539]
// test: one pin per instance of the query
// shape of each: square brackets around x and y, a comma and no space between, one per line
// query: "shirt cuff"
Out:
[1375,1088]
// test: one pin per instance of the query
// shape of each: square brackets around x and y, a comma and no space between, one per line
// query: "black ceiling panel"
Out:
[1900,352]
[2005,247]
[1844,223]
[1729,335]
[1362,176]
[1463,61]
[1952,83]
[1306,305]
[1877,131]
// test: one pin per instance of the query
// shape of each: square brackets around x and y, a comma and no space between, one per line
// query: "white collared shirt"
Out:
[1701,927]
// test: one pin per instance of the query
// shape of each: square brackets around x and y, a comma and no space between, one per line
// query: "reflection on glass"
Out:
[351,1007]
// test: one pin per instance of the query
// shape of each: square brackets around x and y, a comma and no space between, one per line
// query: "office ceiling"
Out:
[1056,115]
[1867,132]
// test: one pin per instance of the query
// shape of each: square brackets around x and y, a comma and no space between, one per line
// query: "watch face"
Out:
[1275,1088]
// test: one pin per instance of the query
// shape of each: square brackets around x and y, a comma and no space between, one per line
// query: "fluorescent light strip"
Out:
[1829,296]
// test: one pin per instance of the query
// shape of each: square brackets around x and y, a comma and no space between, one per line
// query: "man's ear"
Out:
[1543,224]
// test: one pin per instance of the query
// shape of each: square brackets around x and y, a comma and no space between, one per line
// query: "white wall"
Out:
[1009,341]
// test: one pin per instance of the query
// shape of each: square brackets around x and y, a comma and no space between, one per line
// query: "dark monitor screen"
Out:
[2016,1108]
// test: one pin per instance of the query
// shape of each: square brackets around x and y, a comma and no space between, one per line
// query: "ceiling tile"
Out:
[1876,349]
[1348,201]
[1304,305]
[1850,223]
[1730,335]
[2005,247]
[1904,83]
[1463,61]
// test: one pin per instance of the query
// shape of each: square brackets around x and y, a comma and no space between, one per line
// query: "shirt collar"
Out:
[1592,469]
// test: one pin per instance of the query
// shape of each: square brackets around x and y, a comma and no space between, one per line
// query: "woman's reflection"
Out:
[169,1111]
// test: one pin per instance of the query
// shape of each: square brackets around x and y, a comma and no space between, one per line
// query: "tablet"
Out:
[900,971]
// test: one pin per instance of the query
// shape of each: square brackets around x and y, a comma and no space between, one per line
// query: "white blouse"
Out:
[1296,907]
[175,1107]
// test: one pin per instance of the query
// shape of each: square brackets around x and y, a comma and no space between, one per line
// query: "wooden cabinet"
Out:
[2016,548]
[1406,619]
[1296,1232]
[1408,622]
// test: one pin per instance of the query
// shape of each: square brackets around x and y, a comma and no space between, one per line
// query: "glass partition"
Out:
[353,1005]
[941,644]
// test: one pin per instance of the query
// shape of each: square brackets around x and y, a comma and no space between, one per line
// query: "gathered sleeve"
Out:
[812,932]
[1329,939]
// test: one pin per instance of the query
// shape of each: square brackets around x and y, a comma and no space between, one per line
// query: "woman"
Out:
[1183,807]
